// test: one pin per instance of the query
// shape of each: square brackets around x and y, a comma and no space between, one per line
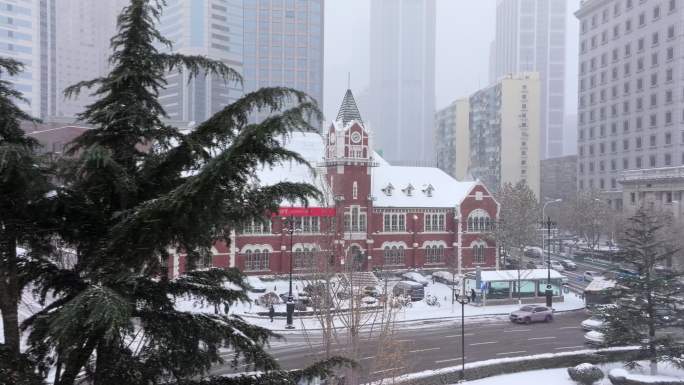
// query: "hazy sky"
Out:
[465,29]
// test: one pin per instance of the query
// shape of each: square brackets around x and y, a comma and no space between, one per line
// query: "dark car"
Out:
[568,264]
[411,289]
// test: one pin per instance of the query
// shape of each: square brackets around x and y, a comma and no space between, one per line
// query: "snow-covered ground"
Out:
[418,311]
[561,377]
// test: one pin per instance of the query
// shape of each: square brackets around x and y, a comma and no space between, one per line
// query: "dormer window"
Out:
[428,190]
[408,190]
[388,190]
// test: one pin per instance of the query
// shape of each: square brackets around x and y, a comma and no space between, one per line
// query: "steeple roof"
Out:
[348,110]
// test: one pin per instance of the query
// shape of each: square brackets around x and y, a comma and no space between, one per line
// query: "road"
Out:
[575,278]
[439,345]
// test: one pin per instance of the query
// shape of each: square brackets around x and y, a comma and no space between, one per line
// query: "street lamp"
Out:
[463,299]
[289,306]
[544,216]
[549,289]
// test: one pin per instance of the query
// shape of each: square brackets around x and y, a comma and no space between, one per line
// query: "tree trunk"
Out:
[9,291]
[76,360]
[10,323]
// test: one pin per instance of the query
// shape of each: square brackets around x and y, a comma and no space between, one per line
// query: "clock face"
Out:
[356,137]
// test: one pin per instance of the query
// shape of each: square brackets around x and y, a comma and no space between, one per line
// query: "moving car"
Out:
[532,313]
[589,275]
[555,265]
[255,284]
[593,323]
[409,289]
[568,264]
[415,277]
[533,252]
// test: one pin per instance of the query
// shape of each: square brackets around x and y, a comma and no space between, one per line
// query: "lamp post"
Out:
[414,245]
[544,216]
[549,289]
[289,306]
[463,299]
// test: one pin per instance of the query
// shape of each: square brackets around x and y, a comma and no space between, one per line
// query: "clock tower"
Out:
[348,164]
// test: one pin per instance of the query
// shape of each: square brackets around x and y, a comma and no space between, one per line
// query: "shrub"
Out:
[585,374]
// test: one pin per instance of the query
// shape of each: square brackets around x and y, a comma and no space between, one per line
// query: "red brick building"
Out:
[384,216]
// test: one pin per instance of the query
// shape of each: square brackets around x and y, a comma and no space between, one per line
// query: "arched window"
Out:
[257,260]
[394,255]
[434,253]
[355,190]
[479,221]
[478,248]
[304,257]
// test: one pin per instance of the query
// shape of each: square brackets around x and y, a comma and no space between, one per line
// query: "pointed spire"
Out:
[348,110]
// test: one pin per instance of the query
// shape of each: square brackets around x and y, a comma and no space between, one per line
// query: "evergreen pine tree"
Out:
[647,310]
[23,185]
[138,187]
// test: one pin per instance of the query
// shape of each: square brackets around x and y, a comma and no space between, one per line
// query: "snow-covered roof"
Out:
[424,187]
[511,275]
[310,146]
[600,284]
[416,187]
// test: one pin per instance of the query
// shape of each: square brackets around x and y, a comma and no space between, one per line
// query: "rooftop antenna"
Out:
[349,80]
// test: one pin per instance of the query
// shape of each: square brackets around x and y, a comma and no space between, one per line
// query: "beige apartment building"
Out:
[504,129]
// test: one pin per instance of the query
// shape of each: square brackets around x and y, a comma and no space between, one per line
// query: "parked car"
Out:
[594,338]
[530,265]
[540,266]
[409,289]
[268,299]
[255,284]
[415,277]
[589,275]
[593,323]
[446,277]
[532,313]
[533,252]
[568,264]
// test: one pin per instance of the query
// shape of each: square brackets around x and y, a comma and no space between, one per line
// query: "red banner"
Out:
[306,212]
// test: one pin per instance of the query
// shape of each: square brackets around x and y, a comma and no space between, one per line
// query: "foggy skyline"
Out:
[464,32]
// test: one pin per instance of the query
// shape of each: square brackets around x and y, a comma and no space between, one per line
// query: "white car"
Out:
[590,275]
[594,338]
[255,284]
[555,265]
[416,277]
[593,323]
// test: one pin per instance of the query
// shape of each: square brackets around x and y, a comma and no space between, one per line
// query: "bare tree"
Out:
[589,217]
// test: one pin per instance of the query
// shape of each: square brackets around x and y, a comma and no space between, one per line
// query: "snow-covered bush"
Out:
[585,374]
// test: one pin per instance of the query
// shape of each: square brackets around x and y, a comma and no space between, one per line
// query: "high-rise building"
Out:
[402,79]
[452,143]
[630,122]
[20,37]
[283,45]
[530,36]
[211,28]
[504,132]
[79,48]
